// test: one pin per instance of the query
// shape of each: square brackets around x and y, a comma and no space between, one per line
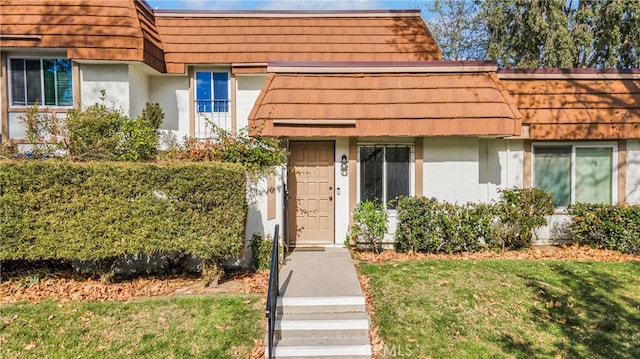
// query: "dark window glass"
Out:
[397,173]
[371,162]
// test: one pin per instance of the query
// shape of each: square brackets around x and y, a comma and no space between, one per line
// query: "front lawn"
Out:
[191,326]
[506,308]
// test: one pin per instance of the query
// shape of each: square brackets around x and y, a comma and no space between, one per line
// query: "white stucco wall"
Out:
[257,214]
[138,91]
[247,91]
[451,168]
[633,171]
[500,167]
[114,79]
[172,93]
[341,193]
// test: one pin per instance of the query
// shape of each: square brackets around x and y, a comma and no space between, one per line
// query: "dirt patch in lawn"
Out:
[573,252]
[62,285]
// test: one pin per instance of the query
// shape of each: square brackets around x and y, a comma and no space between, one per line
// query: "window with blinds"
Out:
[574,173]
[45,82]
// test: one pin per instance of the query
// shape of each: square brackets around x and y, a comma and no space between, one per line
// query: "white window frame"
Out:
[41,102]
[195,87]
[412,170]
[574,145]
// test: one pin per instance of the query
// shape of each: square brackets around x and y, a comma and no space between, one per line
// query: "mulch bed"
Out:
[62,284]
[65,285]
[573,252]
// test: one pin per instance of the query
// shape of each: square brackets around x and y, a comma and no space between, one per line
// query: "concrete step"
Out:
[346,304]
[326,341]
[336,351]
[322,328]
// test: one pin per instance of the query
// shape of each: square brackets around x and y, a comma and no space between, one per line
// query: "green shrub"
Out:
[521,211]
[369,225]
[615,227]
[44,131]
[100,211]
[427,225]
[99,132]
[424,224]
[96,132]
[141,135]
[254,152]
[261,249]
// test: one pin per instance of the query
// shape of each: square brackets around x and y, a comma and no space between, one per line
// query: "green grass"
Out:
[507,309]
[197,326]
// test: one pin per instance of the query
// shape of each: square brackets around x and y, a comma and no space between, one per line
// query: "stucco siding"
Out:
[114,79]
[172,93]
[248,90]
[633,171]
[451,168]
[500,167]
[138,91]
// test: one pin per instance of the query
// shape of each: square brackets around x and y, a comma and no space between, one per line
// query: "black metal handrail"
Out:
[272,293]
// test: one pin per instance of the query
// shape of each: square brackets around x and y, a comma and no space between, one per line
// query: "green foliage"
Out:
[44,131]
[369,224]
[254,152]
[99,211]
[141,135]
[606,226]
[96,132]
[458,28]
[99,132]
[521,211]
[556,33]
[261,249]
[425,224]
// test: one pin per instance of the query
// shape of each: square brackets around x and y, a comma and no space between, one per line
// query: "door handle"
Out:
[330,198]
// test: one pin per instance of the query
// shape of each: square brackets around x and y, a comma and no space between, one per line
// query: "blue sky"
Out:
[286,4]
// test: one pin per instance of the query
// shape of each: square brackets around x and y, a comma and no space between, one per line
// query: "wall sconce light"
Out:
[344,165]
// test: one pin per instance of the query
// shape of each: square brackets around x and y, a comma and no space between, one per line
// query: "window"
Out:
[384,173]
[42,81]
[212,91]
[575,173]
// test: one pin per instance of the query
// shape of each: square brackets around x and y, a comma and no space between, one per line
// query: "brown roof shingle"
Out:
[200,38]
[89,30]
[385,104]
[573,109]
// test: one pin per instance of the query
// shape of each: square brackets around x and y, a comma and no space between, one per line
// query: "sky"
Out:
[286,4]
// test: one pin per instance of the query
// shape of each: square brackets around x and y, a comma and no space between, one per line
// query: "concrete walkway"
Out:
[319,272]
[321,308]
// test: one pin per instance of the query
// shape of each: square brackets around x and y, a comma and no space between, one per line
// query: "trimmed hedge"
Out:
[98,211]
[607,226]
[427,225]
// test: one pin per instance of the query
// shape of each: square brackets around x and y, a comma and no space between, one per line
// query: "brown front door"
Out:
[311,193]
